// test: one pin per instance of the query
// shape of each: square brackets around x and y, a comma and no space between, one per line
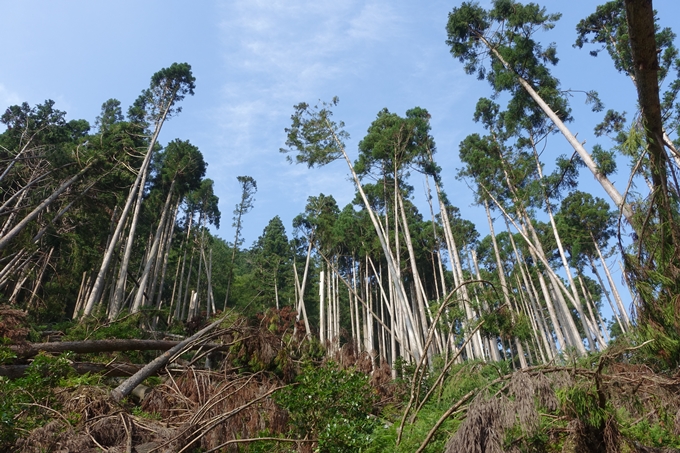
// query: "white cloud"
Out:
[377,21]
[8,97]
[279,53]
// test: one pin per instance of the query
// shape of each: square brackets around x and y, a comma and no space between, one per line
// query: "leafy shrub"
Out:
[19,398]
[332,405]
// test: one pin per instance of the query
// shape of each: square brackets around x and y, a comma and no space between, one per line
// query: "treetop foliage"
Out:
[314,136]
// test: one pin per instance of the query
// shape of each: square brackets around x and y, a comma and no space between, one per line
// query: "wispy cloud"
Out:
[8,97]
[279,53]
[283,52]
[377,21]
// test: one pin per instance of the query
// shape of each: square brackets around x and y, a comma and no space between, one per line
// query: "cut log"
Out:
[93,346]
[112,370]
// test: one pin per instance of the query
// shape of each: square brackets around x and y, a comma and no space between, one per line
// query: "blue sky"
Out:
[255,59]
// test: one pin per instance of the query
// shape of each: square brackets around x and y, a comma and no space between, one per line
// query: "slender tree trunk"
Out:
[81,293]
[322,307]
[301,311]
[612,285]
[152,253]
[416,347]
[615,311]
[574,291]
[97,289]
[166,254]
[538,252]
[38,280]
[185,299]
[593,320]
[571,138]
[180,299]
[501,276]
[493,342]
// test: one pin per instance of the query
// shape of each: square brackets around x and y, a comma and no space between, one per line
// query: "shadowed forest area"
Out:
[128,325]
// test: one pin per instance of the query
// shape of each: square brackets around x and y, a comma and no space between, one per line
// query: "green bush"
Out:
[19,398]
[331,405]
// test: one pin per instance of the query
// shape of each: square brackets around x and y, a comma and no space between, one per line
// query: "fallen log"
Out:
[111,370]
[194,341]
[92,346]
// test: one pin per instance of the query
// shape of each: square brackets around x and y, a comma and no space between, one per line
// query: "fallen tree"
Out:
[94,346]
[196,340]
[109,370]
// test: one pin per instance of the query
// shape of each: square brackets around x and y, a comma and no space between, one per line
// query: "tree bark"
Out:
[11,234]
[152,253]
[98,286]
[112,370]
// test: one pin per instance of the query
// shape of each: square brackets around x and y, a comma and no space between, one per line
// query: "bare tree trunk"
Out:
[166,255]
[571,138]
[126,387]
[180,299]
[416,347]
[81,294]
[535,245]
[493,343]
[185,299]
[153,252]
[574,291]
[38,280]
[322,307]
[612,285]
[97,289]
[593,320]
[301,311]
[501,276]
[615,312]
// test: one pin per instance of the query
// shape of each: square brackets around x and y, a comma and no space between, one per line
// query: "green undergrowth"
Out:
[26,403]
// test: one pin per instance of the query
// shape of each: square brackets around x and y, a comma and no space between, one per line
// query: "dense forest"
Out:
[127,324]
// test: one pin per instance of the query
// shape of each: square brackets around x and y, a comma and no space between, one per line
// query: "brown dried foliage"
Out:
[208,409]
[13,324]
[484,427]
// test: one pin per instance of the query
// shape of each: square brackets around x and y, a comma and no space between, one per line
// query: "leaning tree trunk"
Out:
[606,184]
[504,285]
[152,253]
[11,234]
[98,286]
[574,291]
[518,258]
[416,346]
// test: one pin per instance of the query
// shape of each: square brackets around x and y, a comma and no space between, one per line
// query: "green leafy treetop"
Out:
[314,135]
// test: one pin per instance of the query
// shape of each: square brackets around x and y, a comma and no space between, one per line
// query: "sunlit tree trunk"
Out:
[501,276]
[322,307]
[612,285]
[606,184]
[135,190]
[153,252]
